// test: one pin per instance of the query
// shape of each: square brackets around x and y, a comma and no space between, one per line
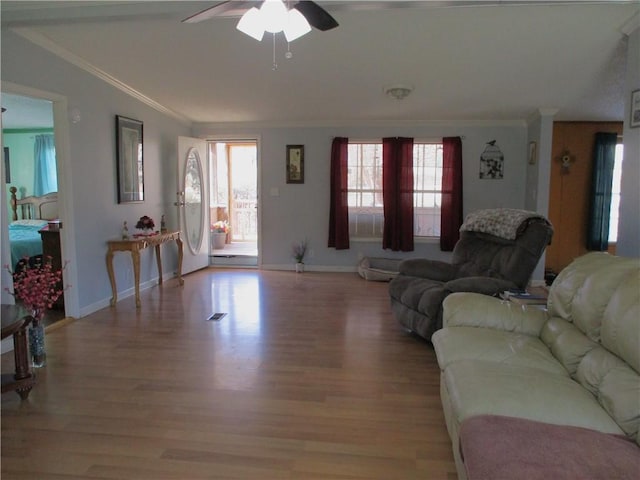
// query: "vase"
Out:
[219,240]
[299,267]
[36,344]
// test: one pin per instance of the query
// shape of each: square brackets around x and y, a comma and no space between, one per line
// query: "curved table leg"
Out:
[112,278]
[180,253]
[159,262]
[135,258]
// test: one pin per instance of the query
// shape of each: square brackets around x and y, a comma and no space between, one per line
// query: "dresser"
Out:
[51,248]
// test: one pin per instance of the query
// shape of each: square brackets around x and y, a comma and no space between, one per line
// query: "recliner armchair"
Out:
[498,250]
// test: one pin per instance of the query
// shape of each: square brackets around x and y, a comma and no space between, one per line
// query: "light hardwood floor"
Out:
[308,376]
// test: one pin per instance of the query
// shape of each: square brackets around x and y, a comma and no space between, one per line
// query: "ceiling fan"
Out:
[299,16]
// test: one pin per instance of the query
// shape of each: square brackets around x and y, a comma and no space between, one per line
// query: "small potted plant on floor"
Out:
[219,231]
[298,250]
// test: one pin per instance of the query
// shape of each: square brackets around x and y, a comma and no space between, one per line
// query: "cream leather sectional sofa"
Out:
[576,364]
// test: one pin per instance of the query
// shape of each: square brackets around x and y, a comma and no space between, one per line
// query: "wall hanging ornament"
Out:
[566,159]
[492,162]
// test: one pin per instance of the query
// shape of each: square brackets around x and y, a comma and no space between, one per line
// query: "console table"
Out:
[133,246]
[14,322]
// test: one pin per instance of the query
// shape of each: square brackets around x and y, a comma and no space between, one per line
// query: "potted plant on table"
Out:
[37,286]
[146,224]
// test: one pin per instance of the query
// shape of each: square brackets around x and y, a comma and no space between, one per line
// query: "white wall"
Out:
[629,222]
[302,211]
[96,214]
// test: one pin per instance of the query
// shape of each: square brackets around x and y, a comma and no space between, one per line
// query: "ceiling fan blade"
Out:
[317,16]
[230,8]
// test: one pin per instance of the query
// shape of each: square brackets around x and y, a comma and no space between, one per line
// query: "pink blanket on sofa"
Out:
[496,447]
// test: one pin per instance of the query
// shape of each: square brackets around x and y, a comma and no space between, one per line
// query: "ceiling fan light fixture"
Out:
[274,15]
[398,92]
[251,24]
[295,26]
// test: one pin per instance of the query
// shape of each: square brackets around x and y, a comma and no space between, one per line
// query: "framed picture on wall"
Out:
[130,160]
[295,163]
[635,109]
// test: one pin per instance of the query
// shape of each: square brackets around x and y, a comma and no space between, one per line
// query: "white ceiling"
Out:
[25,112]
[466,63]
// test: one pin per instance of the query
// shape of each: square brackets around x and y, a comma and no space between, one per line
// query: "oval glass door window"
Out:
[193,201]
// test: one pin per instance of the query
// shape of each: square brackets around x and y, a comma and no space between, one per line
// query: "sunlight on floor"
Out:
[240,299]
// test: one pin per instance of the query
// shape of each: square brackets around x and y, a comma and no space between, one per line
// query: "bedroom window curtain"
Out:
[451,207]
[45,178]
[397,193]
[604,152]
[339,204]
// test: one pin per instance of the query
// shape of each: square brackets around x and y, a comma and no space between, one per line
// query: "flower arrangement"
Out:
[298,250]
[145,223]
[35,284]
[220,227]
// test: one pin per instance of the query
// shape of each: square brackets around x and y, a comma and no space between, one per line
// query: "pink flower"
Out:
[36,286]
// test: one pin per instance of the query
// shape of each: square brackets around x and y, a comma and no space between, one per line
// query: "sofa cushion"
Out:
[422,294]
[621,324]
[496,447]
[567,343]
[474,310]
[479,387]
[616,386]
[581,292]
[453,344]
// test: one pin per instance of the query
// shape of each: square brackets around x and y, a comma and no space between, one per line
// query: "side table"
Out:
[134,246]
[14,322]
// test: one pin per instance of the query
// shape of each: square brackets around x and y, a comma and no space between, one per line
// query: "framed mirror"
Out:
[129,158]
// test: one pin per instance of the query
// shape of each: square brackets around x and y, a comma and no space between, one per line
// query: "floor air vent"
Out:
[216,316]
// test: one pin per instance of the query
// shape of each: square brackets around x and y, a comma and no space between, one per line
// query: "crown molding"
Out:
[52,47]
[358,123]
[631,25]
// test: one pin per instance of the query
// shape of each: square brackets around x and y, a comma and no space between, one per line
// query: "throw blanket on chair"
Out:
[501,222]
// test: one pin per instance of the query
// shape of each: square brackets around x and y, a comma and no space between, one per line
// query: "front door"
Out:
[192,202]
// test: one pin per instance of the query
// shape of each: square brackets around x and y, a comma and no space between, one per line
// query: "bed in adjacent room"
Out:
[29,215]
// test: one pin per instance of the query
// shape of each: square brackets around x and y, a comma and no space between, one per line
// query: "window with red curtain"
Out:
[339,206]
[397,192]
[451,208]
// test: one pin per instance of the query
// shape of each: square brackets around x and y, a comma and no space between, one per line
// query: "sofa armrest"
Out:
[432,269]
[476,310]
[484,285]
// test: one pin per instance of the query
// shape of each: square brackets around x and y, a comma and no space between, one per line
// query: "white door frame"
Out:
[249,138]
[65,193]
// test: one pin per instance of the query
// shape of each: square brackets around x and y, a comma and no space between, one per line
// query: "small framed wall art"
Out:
[130,160]
[492,162]
[295,163]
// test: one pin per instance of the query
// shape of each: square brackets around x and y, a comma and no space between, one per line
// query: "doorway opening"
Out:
[234,202]
[31,168]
